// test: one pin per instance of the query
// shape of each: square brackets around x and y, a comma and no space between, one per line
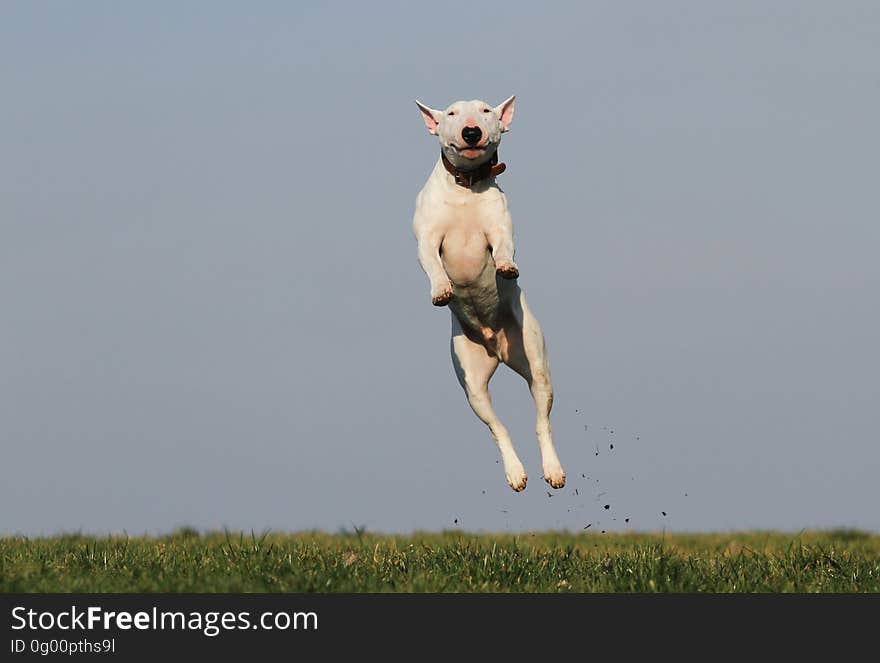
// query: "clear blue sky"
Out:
[212,312]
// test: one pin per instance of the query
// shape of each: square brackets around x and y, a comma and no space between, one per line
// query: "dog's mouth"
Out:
[470,151]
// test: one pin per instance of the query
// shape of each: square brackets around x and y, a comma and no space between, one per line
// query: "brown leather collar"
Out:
[467,178]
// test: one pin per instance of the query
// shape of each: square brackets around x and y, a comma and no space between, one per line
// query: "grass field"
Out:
[836,561]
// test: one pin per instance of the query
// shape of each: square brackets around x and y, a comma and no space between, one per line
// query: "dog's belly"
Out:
[476,303]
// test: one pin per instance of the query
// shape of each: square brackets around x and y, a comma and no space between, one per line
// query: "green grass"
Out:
[836,561]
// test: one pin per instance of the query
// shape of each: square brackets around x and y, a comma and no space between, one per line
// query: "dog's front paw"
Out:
[442,296]
[507,269]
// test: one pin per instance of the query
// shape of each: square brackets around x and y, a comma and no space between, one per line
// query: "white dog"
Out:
[465,238]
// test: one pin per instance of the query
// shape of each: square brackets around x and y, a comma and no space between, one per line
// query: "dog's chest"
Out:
[465,250]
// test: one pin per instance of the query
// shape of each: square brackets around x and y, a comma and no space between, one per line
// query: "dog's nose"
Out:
[471,135]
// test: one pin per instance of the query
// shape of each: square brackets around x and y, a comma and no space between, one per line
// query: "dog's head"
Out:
[469,131]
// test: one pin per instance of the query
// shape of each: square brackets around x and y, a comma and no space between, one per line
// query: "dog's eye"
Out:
[451,113]
[487,110]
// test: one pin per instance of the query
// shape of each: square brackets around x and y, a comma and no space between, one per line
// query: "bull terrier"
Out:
[465,246]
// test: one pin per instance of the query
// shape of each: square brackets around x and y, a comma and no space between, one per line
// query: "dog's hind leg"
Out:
[474,367]
[527,355]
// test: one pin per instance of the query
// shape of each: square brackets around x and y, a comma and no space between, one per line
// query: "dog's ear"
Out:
[431,117]
[504,111]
